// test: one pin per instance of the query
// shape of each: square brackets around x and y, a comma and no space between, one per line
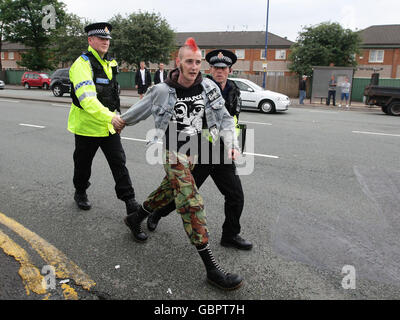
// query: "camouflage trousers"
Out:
[178,185]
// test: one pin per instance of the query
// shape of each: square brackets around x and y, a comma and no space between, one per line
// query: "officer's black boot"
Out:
[82,201]
[215,274]
[131,206]
[134,222]
[154,217]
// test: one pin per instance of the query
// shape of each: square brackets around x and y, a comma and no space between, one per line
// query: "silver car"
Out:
[255,97]
[2,85]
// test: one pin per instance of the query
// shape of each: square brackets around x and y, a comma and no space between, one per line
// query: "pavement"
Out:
[129,97]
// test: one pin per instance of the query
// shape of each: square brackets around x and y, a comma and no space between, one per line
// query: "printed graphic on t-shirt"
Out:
[189,112]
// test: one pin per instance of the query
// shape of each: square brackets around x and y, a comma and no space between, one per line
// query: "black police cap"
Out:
[221,58]
[99,29]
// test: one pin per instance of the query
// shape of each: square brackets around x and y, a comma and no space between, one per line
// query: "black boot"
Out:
[82,201]
[236,242]
[131,206]
[215,274]
[154,218]
[134,222]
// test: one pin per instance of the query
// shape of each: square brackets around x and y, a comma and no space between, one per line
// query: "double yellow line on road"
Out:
[33,280]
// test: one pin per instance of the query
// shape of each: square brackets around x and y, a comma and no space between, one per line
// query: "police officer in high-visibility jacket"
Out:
[95,101]
[222,172]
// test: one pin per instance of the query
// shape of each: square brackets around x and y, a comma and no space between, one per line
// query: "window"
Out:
[243,87]
[376,55]
[262,55]
[11,55]
[2,56]
[240,53]
[275,73]
[280,54]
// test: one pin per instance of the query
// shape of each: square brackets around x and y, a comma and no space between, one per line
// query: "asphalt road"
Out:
[324,194]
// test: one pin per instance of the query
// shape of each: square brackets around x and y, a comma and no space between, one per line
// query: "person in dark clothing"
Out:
[302,89]
[142,79]
[223,174]
[160,75]
[331,91]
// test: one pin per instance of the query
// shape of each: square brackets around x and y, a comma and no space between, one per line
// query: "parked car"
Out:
[60,83]
[36,79]
[2,85]
[255,97]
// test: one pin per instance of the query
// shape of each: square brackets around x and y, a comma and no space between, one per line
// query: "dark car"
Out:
[388,98]
[60,83]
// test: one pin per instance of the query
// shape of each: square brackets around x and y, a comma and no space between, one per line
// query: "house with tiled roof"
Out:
[10,54]
[380,52]
[249,46]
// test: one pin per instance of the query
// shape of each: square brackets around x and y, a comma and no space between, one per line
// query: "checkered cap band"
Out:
[98,32]
[225,59]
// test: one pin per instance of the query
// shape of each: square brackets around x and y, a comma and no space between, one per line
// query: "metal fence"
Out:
[288,85]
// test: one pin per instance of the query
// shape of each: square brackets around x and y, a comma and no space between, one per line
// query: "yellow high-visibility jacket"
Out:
[94,119]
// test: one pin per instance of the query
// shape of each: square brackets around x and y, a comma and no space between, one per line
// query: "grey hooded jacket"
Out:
[160,100]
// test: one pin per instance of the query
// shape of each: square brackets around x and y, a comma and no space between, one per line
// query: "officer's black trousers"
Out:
[85,150]
[228,183]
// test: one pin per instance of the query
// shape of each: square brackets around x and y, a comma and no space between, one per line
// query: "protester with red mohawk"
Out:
[188,110]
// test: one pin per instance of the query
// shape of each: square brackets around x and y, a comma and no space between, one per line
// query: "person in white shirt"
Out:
[160,74]
[142,79]
[345,86]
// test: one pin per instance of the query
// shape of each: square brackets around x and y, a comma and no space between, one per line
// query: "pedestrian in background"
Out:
[160,74]
[302,89]
[142,79]
[345,86]
[331,91]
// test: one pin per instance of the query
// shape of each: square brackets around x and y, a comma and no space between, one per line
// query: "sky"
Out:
[286,17]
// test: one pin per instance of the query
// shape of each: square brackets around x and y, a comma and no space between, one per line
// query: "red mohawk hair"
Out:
[191,43]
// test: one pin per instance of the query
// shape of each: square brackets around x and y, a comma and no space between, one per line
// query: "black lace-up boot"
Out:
[131,206]
[82,201]
[134,222]
[215,274]
[155,216]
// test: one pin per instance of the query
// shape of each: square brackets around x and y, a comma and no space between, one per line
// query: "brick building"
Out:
[380,50]
[10,54]
[249,46]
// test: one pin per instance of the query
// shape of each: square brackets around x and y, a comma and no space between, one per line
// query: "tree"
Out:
[322,45]
[29,27]
[69,40]
[141,36]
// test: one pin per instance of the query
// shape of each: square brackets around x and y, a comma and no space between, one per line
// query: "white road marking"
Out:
[377,133]
[31,125]
[133,139]
[261,155]
[248,153]
[264,123]
[316,111]
[5,100]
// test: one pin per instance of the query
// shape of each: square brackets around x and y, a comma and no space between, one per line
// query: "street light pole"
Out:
[266,44]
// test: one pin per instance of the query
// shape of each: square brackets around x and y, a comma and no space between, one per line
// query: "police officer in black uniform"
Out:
[223,174]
